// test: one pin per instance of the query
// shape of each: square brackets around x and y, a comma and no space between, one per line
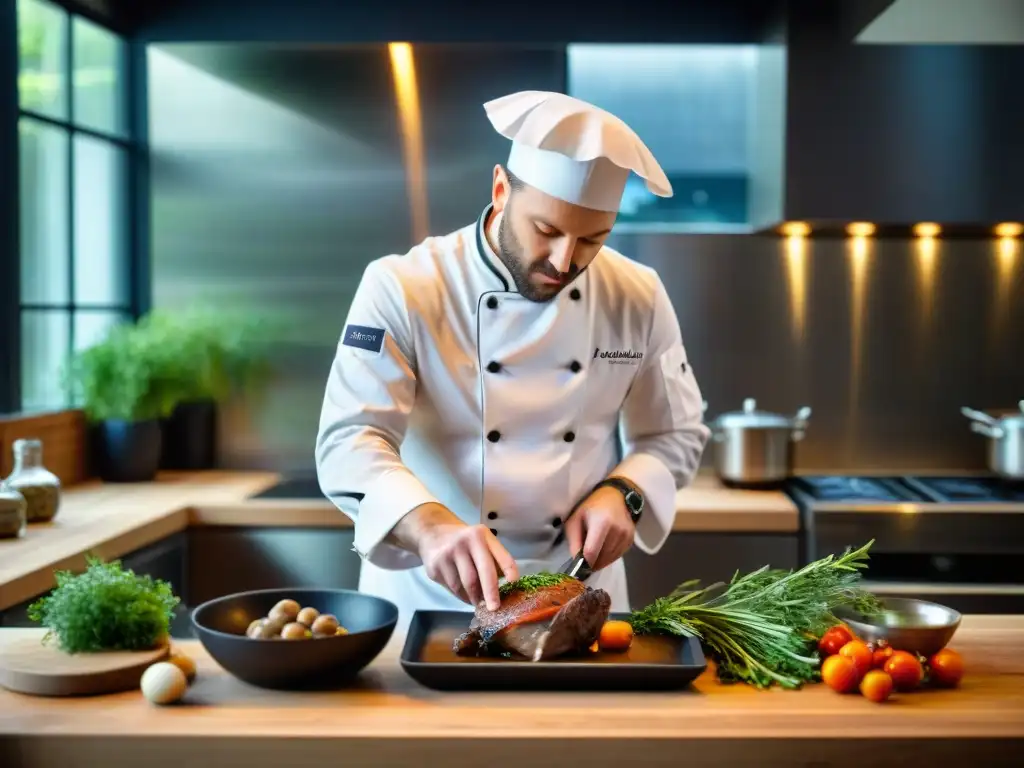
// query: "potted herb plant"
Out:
[210,355]
[123,387]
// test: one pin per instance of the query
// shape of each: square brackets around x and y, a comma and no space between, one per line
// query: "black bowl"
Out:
[316,663]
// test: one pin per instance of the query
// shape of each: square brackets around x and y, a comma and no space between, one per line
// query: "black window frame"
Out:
[133,230]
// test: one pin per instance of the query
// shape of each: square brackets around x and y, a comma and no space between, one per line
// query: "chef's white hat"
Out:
[573,150]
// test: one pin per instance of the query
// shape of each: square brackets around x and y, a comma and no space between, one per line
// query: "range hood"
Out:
[893,134]
[943,22]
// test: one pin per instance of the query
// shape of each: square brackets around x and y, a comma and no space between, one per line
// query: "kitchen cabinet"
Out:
[230,559]
[709,557]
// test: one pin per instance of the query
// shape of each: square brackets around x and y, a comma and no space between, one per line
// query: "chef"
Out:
[513,392]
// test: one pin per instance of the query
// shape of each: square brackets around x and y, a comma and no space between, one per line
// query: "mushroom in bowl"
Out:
[264,638]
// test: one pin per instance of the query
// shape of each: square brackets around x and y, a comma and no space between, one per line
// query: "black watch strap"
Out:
[634,499]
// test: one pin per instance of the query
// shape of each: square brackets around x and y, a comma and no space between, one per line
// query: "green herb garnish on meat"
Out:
[762,628]
[532,582]
[105,608]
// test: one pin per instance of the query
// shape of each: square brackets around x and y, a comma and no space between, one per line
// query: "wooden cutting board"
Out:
[28,666]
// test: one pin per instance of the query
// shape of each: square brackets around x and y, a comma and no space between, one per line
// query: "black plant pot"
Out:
[190,436]
[127,451]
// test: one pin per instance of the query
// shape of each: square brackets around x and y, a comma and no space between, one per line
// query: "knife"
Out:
[577,567]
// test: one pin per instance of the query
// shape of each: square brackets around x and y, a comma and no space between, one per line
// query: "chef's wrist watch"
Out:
[633,498]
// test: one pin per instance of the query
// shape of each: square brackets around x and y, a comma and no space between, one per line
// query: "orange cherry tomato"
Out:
[616,636]
[946,668]
[905,670]
[860,654]
[834,639]
[839,673]
[876,686]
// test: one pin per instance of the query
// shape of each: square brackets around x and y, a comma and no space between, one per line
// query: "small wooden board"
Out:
[29,666]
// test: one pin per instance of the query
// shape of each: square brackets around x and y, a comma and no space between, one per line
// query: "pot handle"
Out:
[978,416]
[800,422]
[987,430]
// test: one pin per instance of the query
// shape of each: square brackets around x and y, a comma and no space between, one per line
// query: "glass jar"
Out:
[12,512]
[39,486]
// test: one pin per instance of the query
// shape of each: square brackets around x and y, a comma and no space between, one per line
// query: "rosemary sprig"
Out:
[532,582]
[762,627]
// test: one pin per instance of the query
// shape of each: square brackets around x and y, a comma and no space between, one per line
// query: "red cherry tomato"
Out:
[905,670]
[946,668]
[881,655]
[834,639]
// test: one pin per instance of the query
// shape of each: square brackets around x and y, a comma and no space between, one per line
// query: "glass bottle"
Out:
[12,512]
[39,486]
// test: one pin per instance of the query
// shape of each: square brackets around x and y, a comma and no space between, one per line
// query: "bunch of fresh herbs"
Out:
[762,628]
[105,608]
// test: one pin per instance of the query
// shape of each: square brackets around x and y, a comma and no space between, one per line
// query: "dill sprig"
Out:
[532,582]
[105,608]
[762,628]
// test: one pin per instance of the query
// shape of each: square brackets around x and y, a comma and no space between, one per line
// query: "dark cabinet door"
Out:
[709,557]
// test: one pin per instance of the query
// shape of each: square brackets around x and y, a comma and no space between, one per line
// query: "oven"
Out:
[955,541]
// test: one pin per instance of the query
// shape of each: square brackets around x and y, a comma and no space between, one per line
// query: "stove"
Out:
[956,540]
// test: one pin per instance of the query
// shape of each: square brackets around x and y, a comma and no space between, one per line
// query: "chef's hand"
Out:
[466,559]
[602,526]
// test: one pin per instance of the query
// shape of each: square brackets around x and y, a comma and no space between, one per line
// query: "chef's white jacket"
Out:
[448,386]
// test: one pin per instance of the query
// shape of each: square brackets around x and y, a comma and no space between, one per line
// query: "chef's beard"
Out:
[513,256]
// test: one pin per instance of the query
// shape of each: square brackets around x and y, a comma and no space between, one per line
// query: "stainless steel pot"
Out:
[755,448]
[1005,440]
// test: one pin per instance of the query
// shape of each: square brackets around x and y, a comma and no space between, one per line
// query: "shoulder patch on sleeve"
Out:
[364,337]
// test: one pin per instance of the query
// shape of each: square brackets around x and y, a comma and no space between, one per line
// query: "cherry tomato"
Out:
[876,686]
[946,667]
[860,654]
[905,670]
[615,636]
[839,673]
[834,639]
[881,655]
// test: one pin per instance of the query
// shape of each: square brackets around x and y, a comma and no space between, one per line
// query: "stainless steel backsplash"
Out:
[278,173]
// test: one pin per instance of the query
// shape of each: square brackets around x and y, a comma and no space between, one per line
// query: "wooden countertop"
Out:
[111,520]
[388,718]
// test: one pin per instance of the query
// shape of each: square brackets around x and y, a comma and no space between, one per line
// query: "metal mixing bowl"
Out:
[906,624]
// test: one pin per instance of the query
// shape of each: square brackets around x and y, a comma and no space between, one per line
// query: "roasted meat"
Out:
[539,618]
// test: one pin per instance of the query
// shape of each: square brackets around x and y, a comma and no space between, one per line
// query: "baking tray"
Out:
[652,663]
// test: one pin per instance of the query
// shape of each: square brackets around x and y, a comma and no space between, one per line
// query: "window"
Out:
[74,154]
[693,106]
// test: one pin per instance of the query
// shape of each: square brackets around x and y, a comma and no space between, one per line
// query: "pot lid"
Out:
[751,417]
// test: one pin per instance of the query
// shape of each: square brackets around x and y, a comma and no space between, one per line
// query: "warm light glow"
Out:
[858,254]
[1009,229]
[1007,252]
[927,229]
[796,229]
[860,229]
[927,252]
[403,69]
[796,269]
